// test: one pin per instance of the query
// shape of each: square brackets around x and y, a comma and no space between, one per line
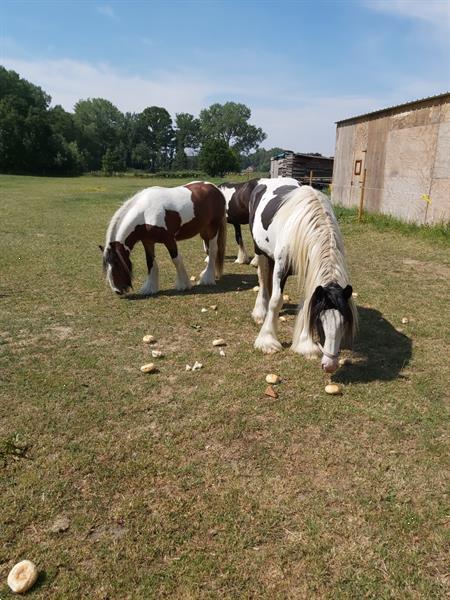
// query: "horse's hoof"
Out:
[258,317]
[148,292]
[268,344]
[207,280]
[307,352]
[242,261]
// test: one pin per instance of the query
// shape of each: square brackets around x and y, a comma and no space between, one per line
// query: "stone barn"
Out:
[401,157]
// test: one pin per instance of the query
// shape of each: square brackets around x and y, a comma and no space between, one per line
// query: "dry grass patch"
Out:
[195,485]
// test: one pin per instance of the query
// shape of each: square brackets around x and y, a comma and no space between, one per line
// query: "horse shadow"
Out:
[229,282]
[379,353]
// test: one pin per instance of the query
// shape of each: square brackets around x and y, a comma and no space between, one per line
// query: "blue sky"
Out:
[299,65]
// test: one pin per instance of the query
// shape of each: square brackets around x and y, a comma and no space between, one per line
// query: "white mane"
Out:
[315,247]
[116,219]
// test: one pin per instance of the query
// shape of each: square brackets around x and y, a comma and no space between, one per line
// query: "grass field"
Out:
[194,485]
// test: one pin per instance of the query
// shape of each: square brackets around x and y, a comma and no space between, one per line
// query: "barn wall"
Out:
[375,163]
[407,157]
[439,208]
[343,165]
[407,174]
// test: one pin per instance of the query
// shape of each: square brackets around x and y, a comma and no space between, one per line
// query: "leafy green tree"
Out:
[187,135]
[100,125]
[68,159]
[108,162]
[114,159]
[141,156]
[62,123]
[154,128]
[216,158]
[26,136]
[187,131]
[229,122]
[260,159]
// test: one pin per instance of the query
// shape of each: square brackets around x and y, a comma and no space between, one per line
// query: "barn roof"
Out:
[384,111]
[283,154]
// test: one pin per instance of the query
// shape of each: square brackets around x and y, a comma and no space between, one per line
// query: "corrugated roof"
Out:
[396,106]
[283,154]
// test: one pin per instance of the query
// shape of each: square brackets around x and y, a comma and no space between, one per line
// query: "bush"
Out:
[177,174]
[216,158]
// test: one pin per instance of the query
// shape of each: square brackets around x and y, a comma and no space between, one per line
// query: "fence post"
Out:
[310,177]
[361,198]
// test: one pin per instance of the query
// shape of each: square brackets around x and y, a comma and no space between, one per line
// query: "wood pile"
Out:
[299,166]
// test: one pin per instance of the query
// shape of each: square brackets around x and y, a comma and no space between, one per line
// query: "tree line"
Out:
[42,140]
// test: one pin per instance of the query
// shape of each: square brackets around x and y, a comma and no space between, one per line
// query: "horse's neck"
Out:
[330,266]
[307,225]
[126,231]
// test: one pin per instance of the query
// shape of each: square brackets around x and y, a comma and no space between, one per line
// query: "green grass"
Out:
[195,485]
[439,232]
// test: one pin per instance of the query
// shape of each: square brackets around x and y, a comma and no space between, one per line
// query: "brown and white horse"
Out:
[237,197]
[165,216]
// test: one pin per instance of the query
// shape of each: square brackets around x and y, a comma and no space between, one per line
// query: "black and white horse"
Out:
[237,198]
[296,233]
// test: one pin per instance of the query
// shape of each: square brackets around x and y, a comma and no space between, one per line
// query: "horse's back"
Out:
[267,198]
[170,208]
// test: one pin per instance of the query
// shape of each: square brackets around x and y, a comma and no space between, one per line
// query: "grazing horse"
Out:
[165,216]
[296,233]
[237,197]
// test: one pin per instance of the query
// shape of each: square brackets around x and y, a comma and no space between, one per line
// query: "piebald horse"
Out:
[165,216]
[296,233]
[237,197]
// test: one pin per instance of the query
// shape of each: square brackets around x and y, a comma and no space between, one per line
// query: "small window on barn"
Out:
[358,166]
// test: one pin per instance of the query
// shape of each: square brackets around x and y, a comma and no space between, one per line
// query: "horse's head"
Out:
[117,266]
[332,321]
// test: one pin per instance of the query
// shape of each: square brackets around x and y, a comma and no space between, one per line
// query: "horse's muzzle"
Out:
[329,365]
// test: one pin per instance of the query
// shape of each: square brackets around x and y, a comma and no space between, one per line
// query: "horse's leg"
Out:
[242,257]
[262,299]
[267,338]
[206,249]
[208,275]
[255,259]
[182,281]
[151,285]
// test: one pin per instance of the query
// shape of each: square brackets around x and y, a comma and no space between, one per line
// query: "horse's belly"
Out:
[264,240]
[188,230]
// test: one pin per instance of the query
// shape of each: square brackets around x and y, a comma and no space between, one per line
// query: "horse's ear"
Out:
[319,293]
[348,290]
[101,248]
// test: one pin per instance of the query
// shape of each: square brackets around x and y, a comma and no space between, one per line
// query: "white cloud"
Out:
[310,128]
[299,122]
[107,11]
[433,12]
[146,41]
[68,81]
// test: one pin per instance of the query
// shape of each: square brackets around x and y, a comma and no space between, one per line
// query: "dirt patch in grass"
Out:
[428,268]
